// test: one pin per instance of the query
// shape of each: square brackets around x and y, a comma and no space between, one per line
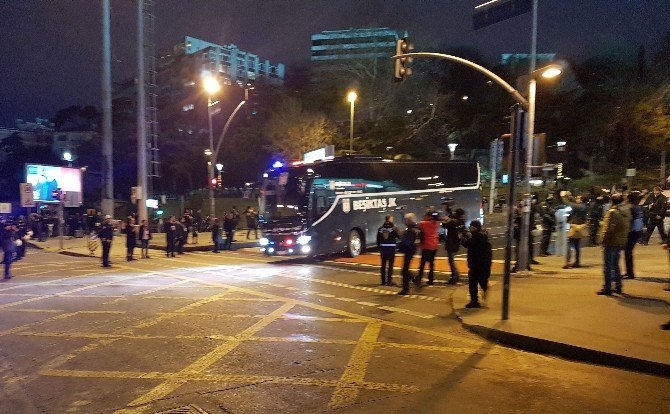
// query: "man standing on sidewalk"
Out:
[614,234]
[637,222]
[429,244]
[106,234]
[657,205]
[479,261]
[455,226]
[387,241]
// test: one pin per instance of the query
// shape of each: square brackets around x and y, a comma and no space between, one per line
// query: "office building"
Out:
[338,45]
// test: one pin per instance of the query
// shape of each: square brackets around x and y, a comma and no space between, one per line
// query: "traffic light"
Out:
[401,65]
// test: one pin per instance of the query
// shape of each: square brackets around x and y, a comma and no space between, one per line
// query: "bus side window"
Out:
[320,206]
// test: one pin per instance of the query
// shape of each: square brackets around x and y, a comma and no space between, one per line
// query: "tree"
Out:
[292,130]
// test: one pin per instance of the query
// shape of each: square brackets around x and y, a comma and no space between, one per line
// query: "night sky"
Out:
[50,50]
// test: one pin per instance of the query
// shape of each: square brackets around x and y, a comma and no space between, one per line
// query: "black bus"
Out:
[337,205]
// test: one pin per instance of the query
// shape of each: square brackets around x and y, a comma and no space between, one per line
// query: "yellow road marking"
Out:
[251,379]
[210,358]
[354,374]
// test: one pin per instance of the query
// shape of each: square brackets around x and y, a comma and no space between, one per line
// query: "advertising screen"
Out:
[46,179]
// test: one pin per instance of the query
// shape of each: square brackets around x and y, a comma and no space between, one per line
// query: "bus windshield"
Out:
[283,196]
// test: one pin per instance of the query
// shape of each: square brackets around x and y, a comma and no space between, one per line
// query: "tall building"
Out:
[230,62]
[375,43]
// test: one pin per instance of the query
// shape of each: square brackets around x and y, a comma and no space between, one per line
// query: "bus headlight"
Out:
[304,239]
[263,241]
[305,249]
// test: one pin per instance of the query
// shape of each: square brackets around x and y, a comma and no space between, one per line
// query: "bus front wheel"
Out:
[355,244]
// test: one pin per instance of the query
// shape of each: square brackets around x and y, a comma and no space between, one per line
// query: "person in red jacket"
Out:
[429,242]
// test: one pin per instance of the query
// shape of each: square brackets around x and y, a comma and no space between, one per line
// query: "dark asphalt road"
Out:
[235,333]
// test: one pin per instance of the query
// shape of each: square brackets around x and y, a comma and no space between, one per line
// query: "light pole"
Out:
[351,97]
[212,87]
[547,72]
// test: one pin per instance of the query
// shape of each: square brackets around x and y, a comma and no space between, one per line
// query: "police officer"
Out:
[106,234]
[7,233]
[387,241]
[170,236]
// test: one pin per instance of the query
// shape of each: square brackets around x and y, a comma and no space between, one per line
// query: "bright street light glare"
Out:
[219,167]
[67,156]
[352,96]
[551,72]
[208,152]
[211,85]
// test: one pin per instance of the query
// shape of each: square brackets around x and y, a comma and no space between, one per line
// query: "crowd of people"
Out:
[426,235]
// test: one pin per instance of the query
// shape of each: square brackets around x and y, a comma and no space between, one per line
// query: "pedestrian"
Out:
[216,235]
[229,229]
[181,235]
[144,234]
[548,225]
[21,234]
[429,244]
[170,236]
[131,238]
[252,222]
[614,234]
[455,226]
[387,241]
[106,235]
[479,261]
[657,207]
[577,231]
[236,221]
[7,238]
[636,225]
[408,240]
[596,212]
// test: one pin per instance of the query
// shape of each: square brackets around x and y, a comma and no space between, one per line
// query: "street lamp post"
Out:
[212,86]
[452,149]
[351,97]
[525,244]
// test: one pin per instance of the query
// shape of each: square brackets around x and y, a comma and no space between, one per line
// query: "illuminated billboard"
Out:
[48,180]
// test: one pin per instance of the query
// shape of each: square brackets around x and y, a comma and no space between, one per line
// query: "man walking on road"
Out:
[387,241]
[479,261]
[7,232]
[455,226]
[657,205]
[614,234]
[637,222]
[429,244]
[408,247]
[170,236]
[106,234]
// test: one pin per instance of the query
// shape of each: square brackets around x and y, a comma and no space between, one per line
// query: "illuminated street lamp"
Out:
[219,167]
[212,87]
[67,156]
[351,97]
[452,149]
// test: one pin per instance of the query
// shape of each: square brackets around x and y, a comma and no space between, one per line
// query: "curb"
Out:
[567,351]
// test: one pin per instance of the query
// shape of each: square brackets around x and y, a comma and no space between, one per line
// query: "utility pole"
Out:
[107,199]
[141,118]
[524,241]
[493,159]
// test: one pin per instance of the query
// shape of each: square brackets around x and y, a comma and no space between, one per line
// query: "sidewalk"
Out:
[79,246]
[557,311]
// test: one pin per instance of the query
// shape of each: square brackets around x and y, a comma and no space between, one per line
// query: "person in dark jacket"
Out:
[131,238]
[479,261]
[637,223]
[548,225]
[21,233]
[170,236]
[408,241]
[596,211]
[614,234]
[657,206]
[455,226]
[7,235]
[387,241]
[229,224]
[182,235]
[252,222]
[106,235]
[144,234]
[216,235]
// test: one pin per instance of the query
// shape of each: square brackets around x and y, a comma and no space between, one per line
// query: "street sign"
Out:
[26,190]
[630,172]
[135,193]
[495,11]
